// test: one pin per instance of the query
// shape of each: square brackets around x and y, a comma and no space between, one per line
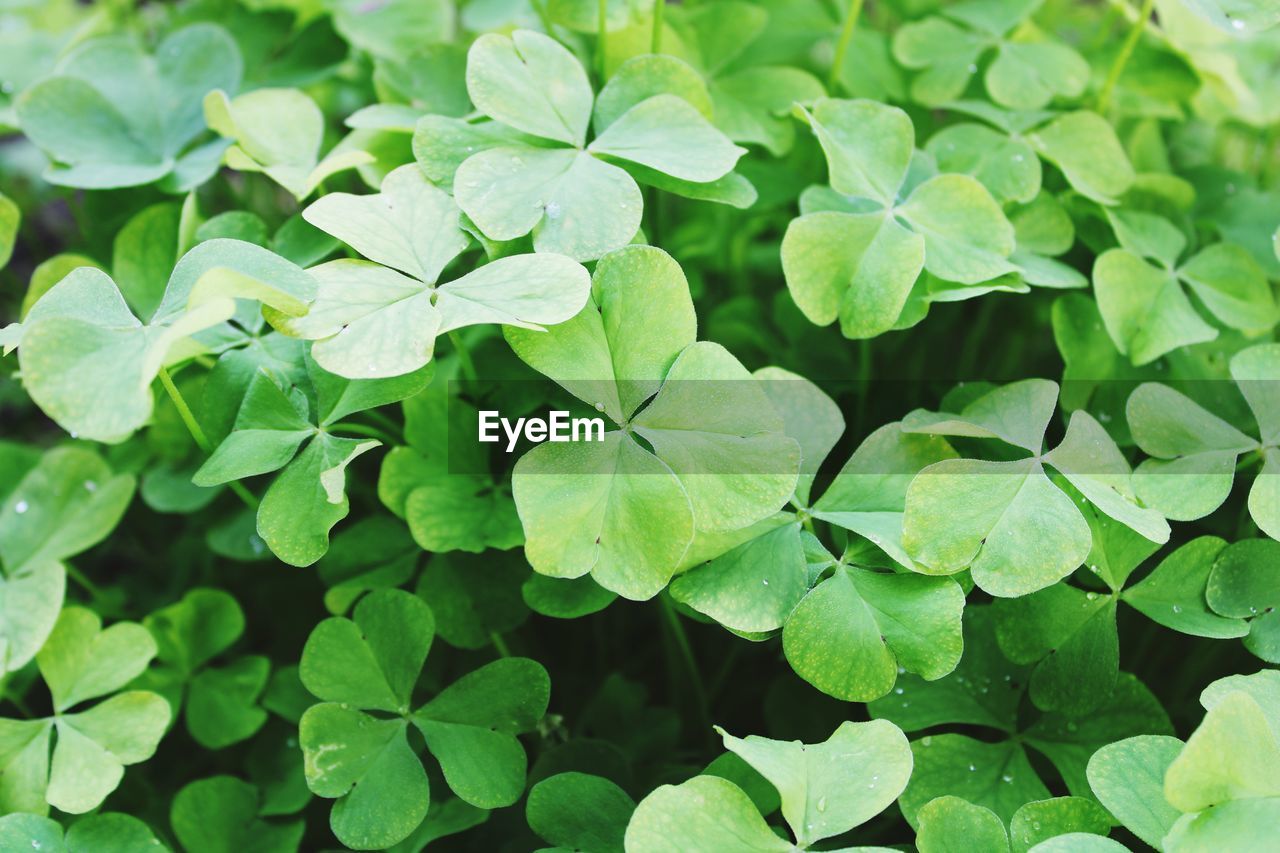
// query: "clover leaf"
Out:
[380,318]
[371,663]
[292,431]
[277,132]
[946,820]
[1140,288]
[450,501]
[635,510]
[1195,453]
[102,831]
[532,169]
[1127,777]
[986,691]
[857,257]
[1029,69]
[224,813]
[579,811]
[826,789]
[80,661]
[1020,532]
[145,110]
[88,362]
[1222,780]
[1243,585]
[220,702]
[66,504]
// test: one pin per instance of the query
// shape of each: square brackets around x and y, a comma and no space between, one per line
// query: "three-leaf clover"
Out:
[856,253]
[1245,585]
[1195,453]
[66,504]
[144,110]
[380,318]
[1029,69]
[277,132]
[101,831]
[89,363]
[987,691]
[1140,288]
[1007,521]
[308,498]
[615,508]
[532,170]
[356,742]
[220,702]
[224,813]
[826,790]
[80,661]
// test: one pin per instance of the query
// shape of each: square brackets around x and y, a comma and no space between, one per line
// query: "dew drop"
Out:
[972,67]
[972,768]
[822,804]
[599,407]
[1006,778]
[1035,825]
[1017,158]
[1177,608]
[901,670]
[553,210]
[90,486]
[765,581]
[1092,596]
[20,507]
[898,690]
[927,740]
[1237,24]
[1104,417]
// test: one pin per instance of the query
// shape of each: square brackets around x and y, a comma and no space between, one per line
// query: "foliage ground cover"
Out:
[934,345]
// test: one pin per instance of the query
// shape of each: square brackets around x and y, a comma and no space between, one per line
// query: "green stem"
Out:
[499,644]
[385,423]
[681,640]
[80,578]
[655,45]
[842,46]
[464,358]
[602,39]
[1122,58]
[197,433]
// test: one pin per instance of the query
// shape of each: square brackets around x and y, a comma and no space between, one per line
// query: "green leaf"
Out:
[579,811]
[1007,167]
[1028,75]
[1127,777]
[668,134]
[532,83]
[996,776]
[966,236]
[704,813]
[373,660]
[144,109]
[222,702]
[368,766]
[473,597]
[951,825]
[471,727]
[308,498]
[1071,637]
[81,661]
[1085,148]
[221,814]
[1037,822]
[1174,594]
[277,132]
[853,634]
[1230,756]
[868,147]
[831,787]
[94,746]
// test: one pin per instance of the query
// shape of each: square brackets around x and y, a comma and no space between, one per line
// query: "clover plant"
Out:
[929,496]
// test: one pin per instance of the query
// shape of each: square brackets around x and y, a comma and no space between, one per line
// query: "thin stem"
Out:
[80,578]
[1126,51]
[499,644]
[681,639]
[197,433]
[842,46]
[464,357]
[655,45]
[602,39]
